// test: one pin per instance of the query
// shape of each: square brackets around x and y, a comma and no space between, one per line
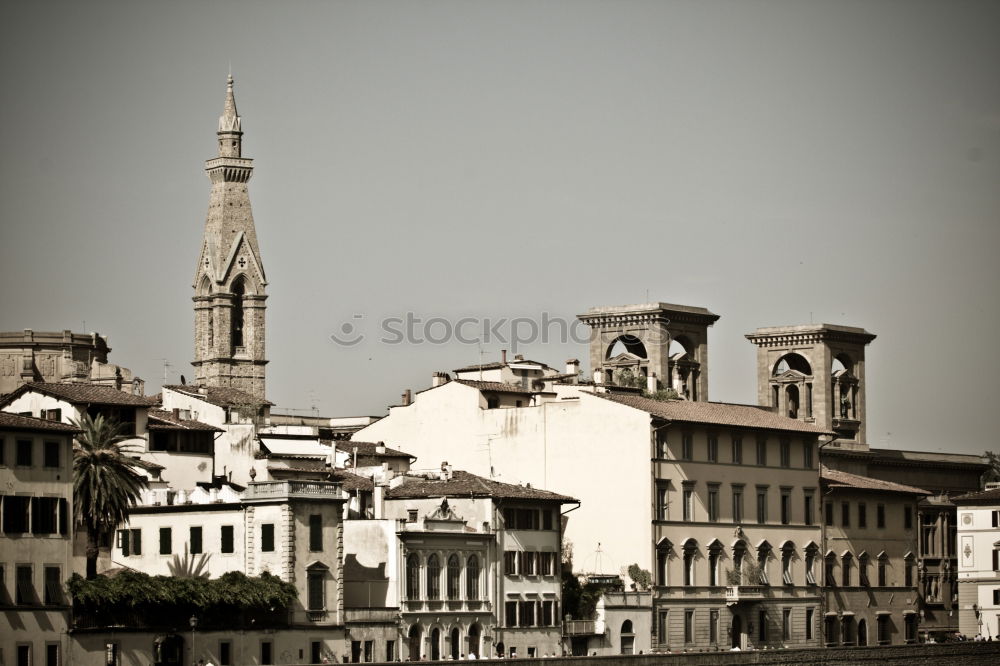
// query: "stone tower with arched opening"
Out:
[815,373]
[638,338]
[229,283]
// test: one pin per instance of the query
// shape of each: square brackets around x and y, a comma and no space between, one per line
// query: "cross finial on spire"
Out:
[230,119]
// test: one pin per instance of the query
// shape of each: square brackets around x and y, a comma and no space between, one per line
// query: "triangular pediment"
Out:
[625,358]
[791,376]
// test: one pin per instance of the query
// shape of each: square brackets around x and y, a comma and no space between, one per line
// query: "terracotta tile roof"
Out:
[713,413]
[910,458]
[464,484]
[991,496]
[221,396]
[498,387]
[10,421]
[83,394]
[164,420]
[369,450]
[351,481]
[496,365]
[834,478]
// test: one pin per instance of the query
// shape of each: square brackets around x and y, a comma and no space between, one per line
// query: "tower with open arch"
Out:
[661,341]
[815,373]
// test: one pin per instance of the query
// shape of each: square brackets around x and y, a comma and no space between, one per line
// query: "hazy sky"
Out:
[775,162]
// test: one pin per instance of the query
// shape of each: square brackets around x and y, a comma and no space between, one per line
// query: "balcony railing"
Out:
[266,490]
[580,628]
[458,606]
[738,593]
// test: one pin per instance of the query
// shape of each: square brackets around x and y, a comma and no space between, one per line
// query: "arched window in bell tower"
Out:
[236,318]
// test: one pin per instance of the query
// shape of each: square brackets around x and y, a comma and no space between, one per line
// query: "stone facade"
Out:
[230,284]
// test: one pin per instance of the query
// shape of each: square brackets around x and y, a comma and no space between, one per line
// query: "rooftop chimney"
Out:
[518,357]
[380,447]
[503,356]
[407,397]
[439,378]
[572,366]
[446,471]
[177,413]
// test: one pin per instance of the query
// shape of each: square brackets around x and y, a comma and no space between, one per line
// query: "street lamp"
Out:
[194,625]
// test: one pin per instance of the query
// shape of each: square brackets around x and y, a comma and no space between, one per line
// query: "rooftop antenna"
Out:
[166,364]
[481,353]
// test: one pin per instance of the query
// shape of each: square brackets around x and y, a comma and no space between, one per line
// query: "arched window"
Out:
[845,573]
[714,555]
[627,637]
[662,556]
[454,574]
[690,553]
[236,314]
[763,555]
[739,556]
[472,578]
[863,569]
[883,561]
[830,565]
[811,551]
[412,577]
[787,552]
[792,400]
[433,577]
[908,580]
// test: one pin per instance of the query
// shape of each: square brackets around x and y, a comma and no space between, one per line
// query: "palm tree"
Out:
[105,480]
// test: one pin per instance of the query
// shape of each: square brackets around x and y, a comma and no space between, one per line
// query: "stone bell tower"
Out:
[815,373]
[229,283]
[646,332]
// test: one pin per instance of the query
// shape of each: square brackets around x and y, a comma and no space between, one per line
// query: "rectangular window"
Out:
[713,626]
[713,448]
[737,503]
[510,613]
[166,548]
[882,622]
[881,572]
[761,451]
[267,538]
[23,453]
[53,587]
[44,515]
[266,653]
[25,592]
[527,613]
[737,450]
[761,504]
[810,568]
[3,446]
[317,598]
[808,499]
[662,626]
[862,515]
[828,508]
[786,453]
[687,446]
[510,563]
[689,626]
[315,533]
[762,626]
[828,573]
[50,455]
[411,516]
[226,538]
[810,618]
[713,502]
[786,506]
[547,520]
[845,514]
[122,542]
[688,504]
[226,653]
[662,501]
[390,651]
[907,517]
[807,454]
[52,654]
[880,516]
[24,655]
[548,563]
[136,541]
[786,624]
[548,615]
[195,540]
[16,511]
[661,443]
[528,563]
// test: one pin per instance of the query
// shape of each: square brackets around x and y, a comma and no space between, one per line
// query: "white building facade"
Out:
[979,562]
